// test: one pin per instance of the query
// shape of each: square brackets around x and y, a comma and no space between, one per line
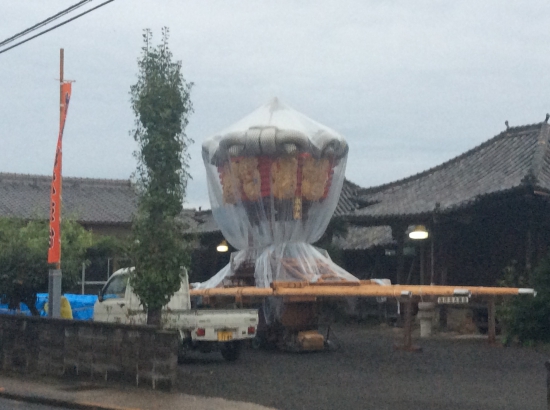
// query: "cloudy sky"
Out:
[409,84]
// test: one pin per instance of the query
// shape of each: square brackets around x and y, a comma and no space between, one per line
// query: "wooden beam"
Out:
[361,290]
[491,321]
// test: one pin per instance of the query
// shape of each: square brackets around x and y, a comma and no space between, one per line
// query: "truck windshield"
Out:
[116,288]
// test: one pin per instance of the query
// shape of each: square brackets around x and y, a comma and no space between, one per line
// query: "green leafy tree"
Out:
[24,267]
[161,103]
[107,254]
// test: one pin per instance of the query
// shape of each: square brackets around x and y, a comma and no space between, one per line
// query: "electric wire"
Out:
[56,26]
[44,22]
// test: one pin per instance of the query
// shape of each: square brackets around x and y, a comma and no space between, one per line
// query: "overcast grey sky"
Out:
[408,84]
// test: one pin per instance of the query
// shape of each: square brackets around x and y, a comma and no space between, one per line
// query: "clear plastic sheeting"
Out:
[274,181]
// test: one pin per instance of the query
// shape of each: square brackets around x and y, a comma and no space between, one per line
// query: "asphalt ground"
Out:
[22,405]
[366,372]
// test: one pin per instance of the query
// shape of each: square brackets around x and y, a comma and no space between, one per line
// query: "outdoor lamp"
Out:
[419,232]
[222,247]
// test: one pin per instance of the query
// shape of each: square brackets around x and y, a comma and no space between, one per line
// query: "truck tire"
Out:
[231,350]
[182,352]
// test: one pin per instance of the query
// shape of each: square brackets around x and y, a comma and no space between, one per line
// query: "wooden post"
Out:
[407,329]
[422,264]
[528,250]
[432,260]
[491,320]
[398,233]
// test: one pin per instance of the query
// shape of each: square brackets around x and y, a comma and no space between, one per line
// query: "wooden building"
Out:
[103,206]
[484,210]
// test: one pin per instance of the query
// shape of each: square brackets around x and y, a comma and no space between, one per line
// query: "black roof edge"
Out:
[411,218]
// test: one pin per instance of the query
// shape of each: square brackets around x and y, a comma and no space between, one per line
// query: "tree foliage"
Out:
[24,258]
[107,254]
[161,104]
[526,319]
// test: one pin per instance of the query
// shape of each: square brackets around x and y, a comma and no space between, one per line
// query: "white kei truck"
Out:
[205,330]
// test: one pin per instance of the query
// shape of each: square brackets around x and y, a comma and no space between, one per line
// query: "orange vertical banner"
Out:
[54,251]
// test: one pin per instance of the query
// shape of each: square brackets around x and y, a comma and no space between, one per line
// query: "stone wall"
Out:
[57,347]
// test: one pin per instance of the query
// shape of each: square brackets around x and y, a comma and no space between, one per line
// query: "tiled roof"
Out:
[518,157]
[86,200]
[199,222]
[102,201]
[360,238]
[347,201]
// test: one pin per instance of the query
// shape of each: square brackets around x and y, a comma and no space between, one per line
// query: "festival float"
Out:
[274,181]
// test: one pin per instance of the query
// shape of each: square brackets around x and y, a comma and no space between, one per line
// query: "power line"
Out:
[43,23]
[56,26]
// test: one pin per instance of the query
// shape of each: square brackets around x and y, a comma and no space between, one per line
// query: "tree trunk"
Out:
[154,316]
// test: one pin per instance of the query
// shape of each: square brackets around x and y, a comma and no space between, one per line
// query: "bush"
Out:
[24,267]
[526,318]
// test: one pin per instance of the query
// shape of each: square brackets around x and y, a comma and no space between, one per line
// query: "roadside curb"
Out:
[68,404]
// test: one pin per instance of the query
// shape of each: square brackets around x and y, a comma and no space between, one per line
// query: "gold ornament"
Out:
[250,178]
[283,177]
[314,178]
[231,185]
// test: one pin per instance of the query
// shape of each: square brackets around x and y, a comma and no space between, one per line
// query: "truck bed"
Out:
[232,324]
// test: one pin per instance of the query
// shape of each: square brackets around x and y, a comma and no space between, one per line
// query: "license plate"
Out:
[224,336]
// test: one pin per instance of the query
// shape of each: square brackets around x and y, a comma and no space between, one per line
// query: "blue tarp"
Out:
[82,306]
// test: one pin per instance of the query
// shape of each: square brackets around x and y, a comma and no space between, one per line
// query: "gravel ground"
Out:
[367,373]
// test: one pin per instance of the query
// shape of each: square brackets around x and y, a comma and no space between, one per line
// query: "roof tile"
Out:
[501,164]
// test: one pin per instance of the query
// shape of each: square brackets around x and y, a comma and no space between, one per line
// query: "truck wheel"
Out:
[182,352]
[231,350]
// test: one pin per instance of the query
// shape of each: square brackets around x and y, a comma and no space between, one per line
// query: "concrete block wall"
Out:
[138,354]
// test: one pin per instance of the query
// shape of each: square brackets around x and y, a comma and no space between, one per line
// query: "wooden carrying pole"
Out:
[360,290]
[404,293]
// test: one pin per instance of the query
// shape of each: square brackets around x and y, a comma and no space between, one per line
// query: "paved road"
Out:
[366,373]
[19,405]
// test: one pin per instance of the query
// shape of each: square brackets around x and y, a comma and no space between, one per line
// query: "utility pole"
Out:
[61,64]
[54,280]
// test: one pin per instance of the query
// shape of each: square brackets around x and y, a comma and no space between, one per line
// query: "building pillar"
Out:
[398,233]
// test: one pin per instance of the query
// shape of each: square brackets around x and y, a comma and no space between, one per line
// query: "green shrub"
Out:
[526,318]
[24,267]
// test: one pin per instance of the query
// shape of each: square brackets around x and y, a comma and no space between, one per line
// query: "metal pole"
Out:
[54,293]
[83,276]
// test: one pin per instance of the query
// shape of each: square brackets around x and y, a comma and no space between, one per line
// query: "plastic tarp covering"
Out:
[274,180]
[82,306]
